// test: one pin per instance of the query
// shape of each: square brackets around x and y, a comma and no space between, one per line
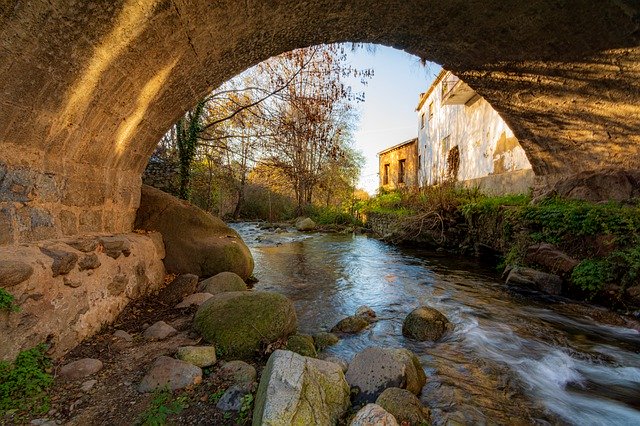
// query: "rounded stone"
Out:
[241,323]
[237,372]
[323,340]
[14,272]
[375,369]
[159,331]
[171,373]
[200,356]
[194,299]
[80,369]
[350,325]
[302,344]
[222,283]
[404,406]
[373,415]
[425,323]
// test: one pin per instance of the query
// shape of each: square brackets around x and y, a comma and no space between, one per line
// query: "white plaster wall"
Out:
[475,129]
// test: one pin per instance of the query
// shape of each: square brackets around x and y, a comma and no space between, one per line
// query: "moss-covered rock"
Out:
[425,323]
[239,323]
[195,241]
[222,283]
[200,356]
[323,340]
[297,390]
[404,406]
[350,325]
[302,344]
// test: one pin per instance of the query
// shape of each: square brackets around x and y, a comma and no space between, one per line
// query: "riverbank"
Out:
[579,249]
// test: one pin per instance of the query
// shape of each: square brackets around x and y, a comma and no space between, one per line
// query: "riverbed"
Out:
[513,358]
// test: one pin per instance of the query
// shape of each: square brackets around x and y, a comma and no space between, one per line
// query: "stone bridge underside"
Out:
[87,88]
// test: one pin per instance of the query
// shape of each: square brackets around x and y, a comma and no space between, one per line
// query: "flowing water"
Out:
[512,359]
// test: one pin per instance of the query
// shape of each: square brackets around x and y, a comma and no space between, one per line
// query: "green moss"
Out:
[240,323]
[23,384]
[324,340]
[302,344]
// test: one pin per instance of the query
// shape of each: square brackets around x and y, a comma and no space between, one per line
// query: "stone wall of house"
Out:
[67,289]
[407,152]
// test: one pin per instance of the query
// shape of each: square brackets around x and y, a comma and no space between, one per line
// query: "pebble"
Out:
[80,369]
[86,386]
[121,334]
[159,331]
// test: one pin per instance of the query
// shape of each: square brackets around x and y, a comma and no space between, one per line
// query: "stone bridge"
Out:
[87,88]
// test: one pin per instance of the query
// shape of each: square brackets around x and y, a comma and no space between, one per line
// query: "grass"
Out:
[7,302]
[24,383]
[162,406]
[515,223]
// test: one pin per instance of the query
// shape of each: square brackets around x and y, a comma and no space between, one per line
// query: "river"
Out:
[513,358]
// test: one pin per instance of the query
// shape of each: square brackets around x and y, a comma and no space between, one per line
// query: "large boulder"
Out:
[305,224]
[551,258]
[376,369]
[195,241]
[599,185]
[404,406]
[425,323]
[296,390]
[534,280]
[239,323]
[221,283]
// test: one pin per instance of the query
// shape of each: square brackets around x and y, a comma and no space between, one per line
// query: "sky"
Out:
[387,116]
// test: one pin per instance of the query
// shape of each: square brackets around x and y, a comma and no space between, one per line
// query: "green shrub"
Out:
[162,406]
[591,275]
[24,383]
[7,302]
[333,216]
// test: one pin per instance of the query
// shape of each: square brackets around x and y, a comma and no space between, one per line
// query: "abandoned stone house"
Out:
[461,138]
[398,165]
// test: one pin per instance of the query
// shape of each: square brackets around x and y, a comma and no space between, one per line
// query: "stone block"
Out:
[91,221]
[68,222]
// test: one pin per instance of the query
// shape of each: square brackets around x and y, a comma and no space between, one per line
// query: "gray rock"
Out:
[535,280]
[373,415]
[71,283]
[367,312]
[182,286]
[115,246]
[231,400]
[158,331]
[238,372]
[305,224]
[14,272]
[376,369]
[121,334]
[425,323]
[200,356]
[194,299]
[221,283]
[300,390]
[89,261]
[63,261]
[404,406]
[88,385]
[344,365]
[80,369]
[43,422]
[171,373]
[83,244]
[551,258]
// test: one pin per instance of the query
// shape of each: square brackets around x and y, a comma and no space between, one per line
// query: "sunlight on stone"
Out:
[145,98]
[129,24]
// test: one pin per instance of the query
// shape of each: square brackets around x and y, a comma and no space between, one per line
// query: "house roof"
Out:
[425,95]
[400,145]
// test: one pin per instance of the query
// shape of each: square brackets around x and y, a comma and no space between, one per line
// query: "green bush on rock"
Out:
[23,384]
[239,323]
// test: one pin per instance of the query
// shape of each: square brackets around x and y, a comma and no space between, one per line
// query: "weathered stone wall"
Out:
[67,290]
[407,152]
[88,88]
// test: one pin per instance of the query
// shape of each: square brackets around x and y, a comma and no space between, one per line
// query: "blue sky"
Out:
[388,116]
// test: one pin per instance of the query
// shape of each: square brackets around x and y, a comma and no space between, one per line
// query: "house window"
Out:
[419,162]
[430,110]
[401,171]
[385,176]
[422,121]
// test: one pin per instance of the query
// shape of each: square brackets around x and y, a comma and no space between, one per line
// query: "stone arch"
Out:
[87,88]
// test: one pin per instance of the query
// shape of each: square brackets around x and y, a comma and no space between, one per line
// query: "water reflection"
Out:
[512,359]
